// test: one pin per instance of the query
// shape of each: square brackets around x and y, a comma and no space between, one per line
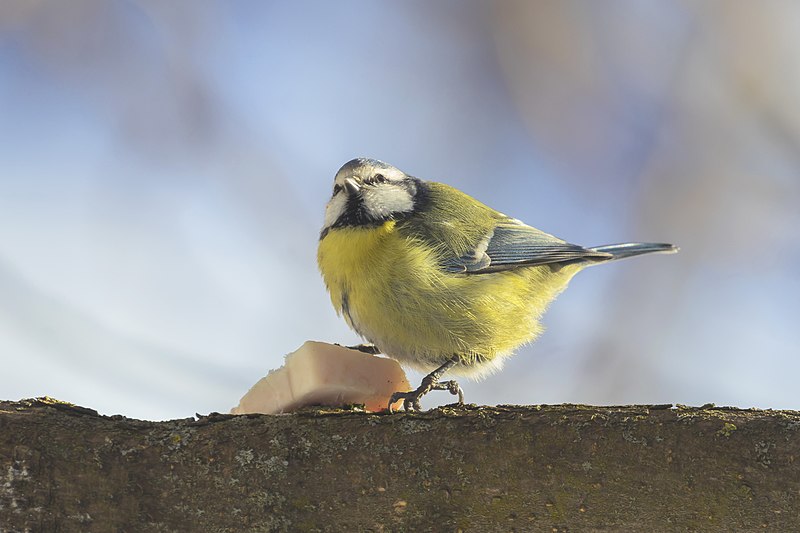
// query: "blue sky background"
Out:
[164,168]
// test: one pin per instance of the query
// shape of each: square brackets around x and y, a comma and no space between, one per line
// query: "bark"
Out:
[505,468]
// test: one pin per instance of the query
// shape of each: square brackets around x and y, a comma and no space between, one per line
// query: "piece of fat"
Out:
[319,373]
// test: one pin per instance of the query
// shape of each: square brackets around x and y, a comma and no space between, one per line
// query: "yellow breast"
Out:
[391,291]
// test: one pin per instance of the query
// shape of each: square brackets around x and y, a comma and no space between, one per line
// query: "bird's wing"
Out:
[513,244]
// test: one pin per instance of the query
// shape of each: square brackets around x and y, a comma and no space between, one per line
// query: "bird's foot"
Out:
[430,382]
[453,387]
[365,348]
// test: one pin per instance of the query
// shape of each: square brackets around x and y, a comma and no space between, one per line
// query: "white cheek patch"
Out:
[335,208]
[382,201]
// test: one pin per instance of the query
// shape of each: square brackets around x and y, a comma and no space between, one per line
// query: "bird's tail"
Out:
[631,249]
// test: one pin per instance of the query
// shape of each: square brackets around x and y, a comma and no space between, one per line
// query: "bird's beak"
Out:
[351,186]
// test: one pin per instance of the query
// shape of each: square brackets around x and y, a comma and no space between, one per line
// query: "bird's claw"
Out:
[365,348]
[411,399]
[453,387]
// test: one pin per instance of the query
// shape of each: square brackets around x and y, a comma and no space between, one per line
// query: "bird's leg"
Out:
[366,348]
[430,382]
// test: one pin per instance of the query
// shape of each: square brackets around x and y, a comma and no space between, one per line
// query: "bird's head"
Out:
[368,192]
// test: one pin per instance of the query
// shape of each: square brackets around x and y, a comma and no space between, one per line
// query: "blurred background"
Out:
[164,168]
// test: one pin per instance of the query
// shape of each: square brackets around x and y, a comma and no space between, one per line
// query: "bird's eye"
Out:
[377,178]
[336,188]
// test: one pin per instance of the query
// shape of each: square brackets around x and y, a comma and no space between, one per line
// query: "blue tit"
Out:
[437,280]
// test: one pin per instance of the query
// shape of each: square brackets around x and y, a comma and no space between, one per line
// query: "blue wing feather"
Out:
[513,244]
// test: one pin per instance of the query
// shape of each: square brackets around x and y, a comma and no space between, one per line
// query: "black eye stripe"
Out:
[377,178]
[372,180]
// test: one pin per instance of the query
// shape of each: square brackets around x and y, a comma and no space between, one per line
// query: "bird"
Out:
[438,281]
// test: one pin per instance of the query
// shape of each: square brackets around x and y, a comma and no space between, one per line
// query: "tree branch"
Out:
[562,467]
